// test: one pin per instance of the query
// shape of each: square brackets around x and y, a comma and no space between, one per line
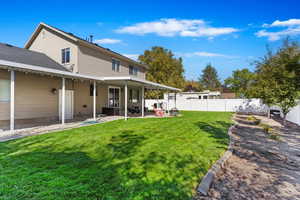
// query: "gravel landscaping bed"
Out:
[260,167]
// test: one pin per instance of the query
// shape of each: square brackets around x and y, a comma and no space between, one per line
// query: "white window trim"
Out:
[119,65]
[114,87]
[65,63]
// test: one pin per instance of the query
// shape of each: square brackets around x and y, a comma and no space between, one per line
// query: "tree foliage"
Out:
[209,78]
[276,80]
[192,86]
[164,68]
[240,81]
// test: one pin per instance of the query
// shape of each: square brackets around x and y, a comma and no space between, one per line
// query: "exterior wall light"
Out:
[54,91]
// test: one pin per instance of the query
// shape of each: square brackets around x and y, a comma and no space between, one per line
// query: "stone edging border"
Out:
[206,181]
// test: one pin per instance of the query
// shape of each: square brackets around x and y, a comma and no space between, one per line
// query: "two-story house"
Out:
[59,76]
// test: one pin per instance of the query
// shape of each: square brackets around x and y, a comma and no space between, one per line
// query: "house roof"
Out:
[81,41]
[11,65]
[25,56]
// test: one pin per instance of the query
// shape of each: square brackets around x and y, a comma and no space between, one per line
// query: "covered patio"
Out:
[126,105]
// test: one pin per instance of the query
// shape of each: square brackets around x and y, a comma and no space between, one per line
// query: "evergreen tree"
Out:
[209,78]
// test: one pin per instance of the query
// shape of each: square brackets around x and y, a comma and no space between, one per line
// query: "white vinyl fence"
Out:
[224,105]
[294,115]
[254,106]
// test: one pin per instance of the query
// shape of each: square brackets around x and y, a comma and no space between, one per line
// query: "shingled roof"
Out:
[79,40]
[25,56]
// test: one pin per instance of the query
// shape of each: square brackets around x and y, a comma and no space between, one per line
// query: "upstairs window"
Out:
[115,65]
[65,55]
[133,70]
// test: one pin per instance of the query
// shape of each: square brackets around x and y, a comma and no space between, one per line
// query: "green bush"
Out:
[253,120]
[274,137]
[266,128]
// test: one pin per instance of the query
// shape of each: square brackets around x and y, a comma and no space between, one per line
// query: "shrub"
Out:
[266,128]
[274,137]
[253,120]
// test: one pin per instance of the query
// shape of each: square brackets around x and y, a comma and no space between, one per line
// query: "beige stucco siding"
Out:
[83,102]
[51,44]
[34,97]
[96,63]
[83,59]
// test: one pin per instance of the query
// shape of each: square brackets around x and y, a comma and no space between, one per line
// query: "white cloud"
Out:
[174,27]
[291,28]
[132,56]
[290,22]
[204,54]
[107,41]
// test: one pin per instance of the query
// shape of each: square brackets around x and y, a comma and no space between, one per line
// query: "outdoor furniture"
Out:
[174,112]
[134,110]
[110,111]
[159,112]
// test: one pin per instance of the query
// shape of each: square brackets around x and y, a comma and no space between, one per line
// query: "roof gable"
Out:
[79,41]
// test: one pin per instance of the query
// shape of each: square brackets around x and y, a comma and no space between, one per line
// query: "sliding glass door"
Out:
[114,97]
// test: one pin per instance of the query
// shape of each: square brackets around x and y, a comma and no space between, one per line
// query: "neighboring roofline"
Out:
[26,67]
[201,92]
[79,41]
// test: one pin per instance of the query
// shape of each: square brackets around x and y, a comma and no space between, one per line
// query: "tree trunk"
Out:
[284,119]
[269,112]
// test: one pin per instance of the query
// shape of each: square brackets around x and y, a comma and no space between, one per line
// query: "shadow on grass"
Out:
[46,174]
[217,130]
[109,165]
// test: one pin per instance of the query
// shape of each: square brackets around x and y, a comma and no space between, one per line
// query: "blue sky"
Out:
[228,34]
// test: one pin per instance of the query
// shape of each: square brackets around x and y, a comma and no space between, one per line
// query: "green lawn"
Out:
[154,158]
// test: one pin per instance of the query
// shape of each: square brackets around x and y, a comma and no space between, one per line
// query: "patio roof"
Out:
[138,82]
[133,81]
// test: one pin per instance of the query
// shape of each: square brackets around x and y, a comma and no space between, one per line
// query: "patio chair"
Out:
[159,112]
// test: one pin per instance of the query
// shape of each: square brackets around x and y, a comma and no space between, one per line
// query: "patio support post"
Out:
[143,101]
[175,99]
[94,100]
[168,104]
[12,100]
[125,113]
[63,100]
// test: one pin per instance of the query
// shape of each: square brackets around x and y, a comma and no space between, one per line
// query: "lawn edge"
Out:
[207,180]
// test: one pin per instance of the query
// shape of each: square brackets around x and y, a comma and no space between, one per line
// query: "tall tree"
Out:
[264,80]
[276,82]
[240,81]
[209,78]
[163,68]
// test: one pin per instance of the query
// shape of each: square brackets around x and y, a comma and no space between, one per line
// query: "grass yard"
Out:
[151,158]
